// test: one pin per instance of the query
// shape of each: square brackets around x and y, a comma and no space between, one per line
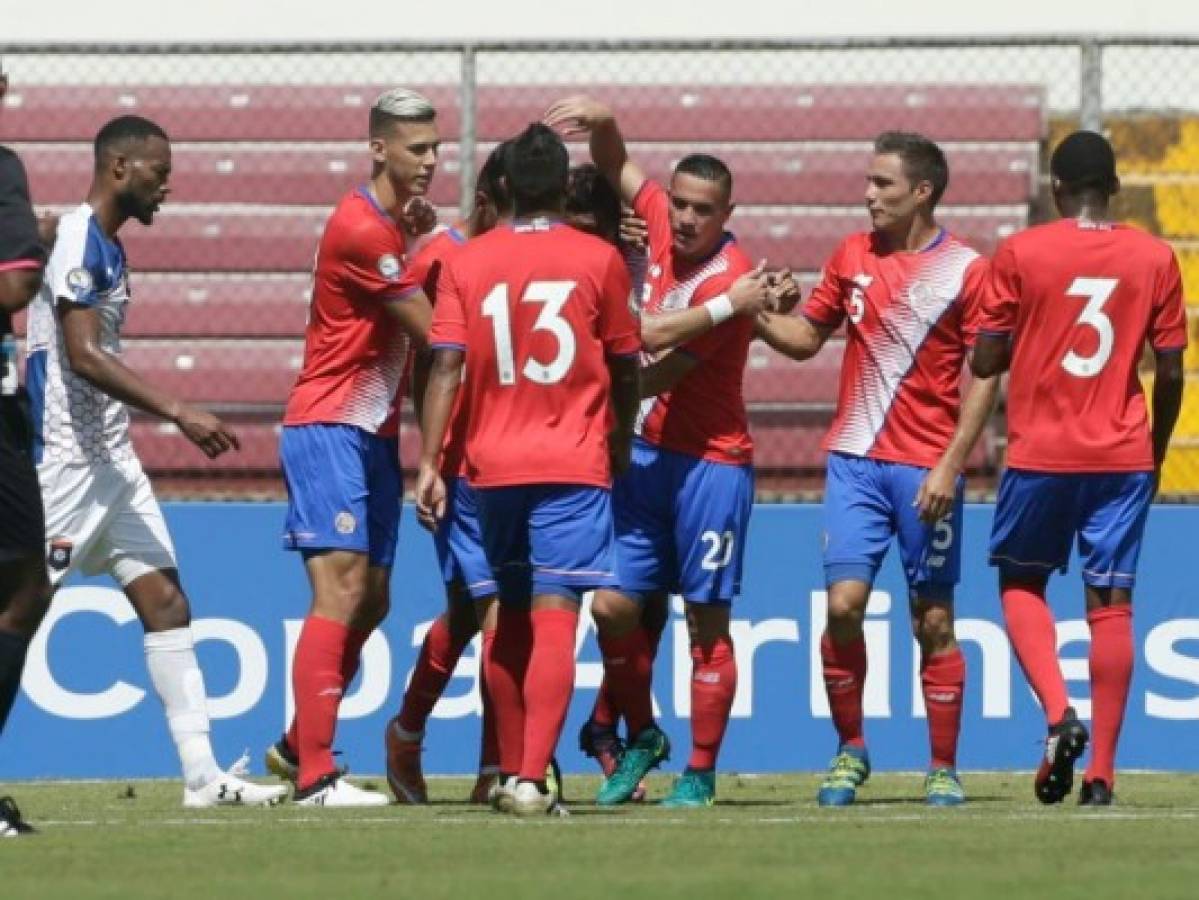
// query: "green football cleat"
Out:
[692,789]
[647,751]
[847,772]
[942,787]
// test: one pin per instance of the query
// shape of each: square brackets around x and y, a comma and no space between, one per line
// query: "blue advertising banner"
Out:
[87,710]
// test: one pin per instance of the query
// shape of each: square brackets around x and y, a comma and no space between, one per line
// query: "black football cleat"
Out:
[1095,793]
[11,823]
[1066,742]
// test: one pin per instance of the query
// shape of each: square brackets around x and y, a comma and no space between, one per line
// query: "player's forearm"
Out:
[444,380]
[18,287]
[114,378]
[662,331]
[608,150]
[421,361]
[625,374]
[976,412]
[793,336]
[1168,384]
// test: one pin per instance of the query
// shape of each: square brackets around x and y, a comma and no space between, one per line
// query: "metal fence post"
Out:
[466,139]
[1090,87]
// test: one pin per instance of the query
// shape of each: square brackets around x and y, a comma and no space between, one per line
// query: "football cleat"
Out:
[500,795]
[1095,793]
[1066,742]
[530,799]
[848,771]
[942,787]
[280,760]
[603,744]
[692,789]
[404,773]
[230,789]
[480,794]
[645,752]
[11,822]
[334,790]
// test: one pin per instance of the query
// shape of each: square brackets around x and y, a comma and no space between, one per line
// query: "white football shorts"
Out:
[103,517]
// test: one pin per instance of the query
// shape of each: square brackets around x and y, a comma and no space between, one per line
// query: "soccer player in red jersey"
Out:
[683,508]
[470,585]
[540,313]
[339,444]
[1072,305]
[908,294]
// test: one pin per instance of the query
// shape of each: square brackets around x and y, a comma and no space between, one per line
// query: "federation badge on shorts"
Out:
[59,557]
[80,281]
[345,523]
[389,266]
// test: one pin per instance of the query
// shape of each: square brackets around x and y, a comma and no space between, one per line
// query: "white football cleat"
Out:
[229,790]
[529,800]
[334,790]
[501,792]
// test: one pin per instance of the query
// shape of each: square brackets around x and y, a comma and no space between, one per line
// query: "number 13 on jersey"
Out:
[553,294]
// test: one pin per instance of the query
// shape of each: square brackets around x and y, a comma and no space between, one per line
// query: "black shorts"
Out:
[22,526]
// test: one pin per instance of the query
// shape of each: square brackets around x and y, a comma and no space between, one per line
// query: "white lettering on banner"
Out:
[251,665]
[38,681]
[1163,658]
[747,638]
[1075,668]
[374,676]
[876,701]
[996,675]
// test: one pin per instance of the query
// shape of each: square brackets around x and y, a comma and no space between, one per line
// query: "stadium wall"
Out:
[87,711]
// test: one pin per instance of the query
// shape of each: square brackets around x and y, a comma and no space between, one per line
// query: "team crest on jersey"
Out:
[389,266]
[345,523]
[80,281]
[59,557]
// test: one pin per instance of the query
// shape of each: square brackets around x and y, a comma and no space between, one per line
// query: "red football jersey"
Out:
[704,414]
[427,268]
[537,306]
[354,352]
[1079,300]
[911,317]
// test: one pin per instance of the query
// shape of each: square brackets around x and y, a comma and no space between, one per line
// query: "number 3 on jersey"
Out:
[1097,292]
[553,294]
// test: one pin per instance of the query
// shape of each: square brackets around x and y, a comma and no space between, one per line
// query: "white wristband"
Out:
[720,309]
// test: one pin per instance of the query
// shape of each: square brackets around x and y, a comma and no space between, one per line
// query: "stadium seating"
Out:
[221,280]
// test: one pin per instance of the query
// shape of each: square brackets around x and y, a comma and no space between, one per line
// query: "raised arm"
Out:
[584,115]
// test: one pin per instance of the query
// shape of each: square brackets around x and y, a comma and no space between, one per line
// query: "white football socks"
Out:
[171,659]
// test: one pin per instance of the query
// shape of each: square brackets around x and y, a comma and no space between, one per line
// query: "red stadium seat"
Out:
[233,305]
[774,381]
[257,373]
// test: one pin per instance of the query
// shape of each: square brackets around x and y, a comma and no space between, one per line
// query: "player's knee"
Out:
[166,609]
[846,609]
[614,613]
[934,629]
[463,622]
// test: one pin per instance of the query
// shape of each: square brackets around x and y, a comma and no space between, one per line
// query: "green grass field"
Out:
[766,838]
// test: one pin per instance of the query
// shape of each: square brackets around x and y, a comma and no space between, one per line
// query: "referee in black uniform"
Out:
[24,588]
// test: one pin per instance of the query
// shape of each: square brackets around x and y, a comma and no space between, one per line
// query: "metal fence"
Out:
[266,139]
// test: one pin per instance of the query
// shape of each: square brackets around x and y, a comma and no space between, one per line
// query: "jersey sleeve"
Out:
[976,288]
[652,204]
[373,266]
[1168,328]
[76,266]
[20,247]
[448,330]
[826,304]
[1002,301]
[618,329]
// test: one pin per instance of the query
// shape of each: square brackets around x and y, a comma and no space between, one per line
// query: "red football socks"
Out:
[604,714]
[489,749]
[845,682]
[628,671]
[1111,662]
[505,661]
[943,678]
[439,655]
[355,640]
[713,687]
[548,685]
[318,682]
[1031,630]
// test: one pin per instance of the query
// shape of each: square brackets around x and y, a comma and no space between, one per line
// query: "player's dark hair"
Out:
[922,160]
[1085,161]
[589,193]
[124,130]
[709,168]
[493,179]
[538,167]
